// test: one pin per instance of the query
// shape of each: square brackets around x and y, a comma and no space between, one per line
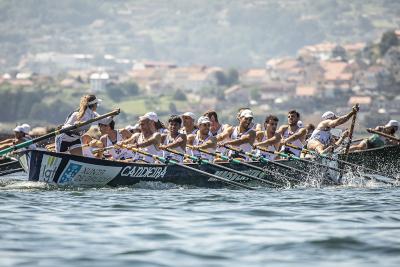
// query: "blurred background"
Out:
[178,55]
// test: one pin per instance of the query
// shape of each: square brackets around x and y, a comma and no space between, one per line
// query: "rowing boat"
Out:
[66,169]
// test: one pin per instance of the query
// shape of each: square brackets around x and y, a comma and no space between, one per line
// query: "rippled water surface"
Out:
[162,225]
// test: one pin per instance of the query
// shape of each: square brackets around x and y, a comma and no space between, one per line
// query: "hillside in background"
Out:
[224,32]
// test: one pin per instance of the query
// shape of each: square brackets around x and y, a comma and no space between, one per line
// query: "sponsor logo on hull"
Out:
[48,168]
[78,173]
[145,172]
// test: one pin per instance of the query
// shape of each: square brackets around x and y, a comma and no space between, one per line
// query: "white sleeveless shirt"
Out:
[118,153]
[197,141]
[244,147]
[149,149]
[168,140]
[272,148]
[297,142]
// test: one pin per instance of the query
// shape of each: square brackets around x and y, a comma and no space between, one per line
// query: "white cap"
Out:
[189,114]
[300,124]
[247,113]
[150,115]
[392,123]
[106,121]
[95,101]
[329,115]
[203,119]
[20,129]
[26,127]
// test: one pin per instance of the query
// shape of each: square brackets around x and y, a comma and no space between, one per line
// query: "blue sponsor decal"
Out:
[69,173]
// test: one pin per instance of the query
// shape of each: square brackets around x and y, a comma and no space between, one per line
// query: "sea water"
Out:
[156,224]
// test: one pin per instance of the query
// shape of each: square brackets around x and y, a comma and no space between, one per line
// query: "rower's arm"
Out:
[342,119]
[155,139]
[300,134]
[247,138]
[211,143]
[7,141]
[225,134]
[271,141]
[281,130]
[103,140]
[132,139]
[179,142]
[190,139]
[259,136]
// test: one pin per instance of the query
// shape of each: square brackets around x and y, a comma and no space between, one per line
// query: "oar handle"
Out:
[383,134]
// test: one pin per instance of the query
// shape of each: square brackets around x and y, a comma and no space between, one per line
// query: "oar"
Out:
[346,151]
[235,161]
[264,160]
[173,162]
[13,161]
[325,166]
[200,160]
[52,134]
[289,156]
[383,134]
[341,161]
[10,171]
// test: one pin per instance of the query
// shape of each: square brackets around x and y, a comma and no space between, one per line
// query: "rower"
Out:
[216,128]
[21,134]
[91,143]
[112,137]
[375,140]
[148,139]
[269,138]
[241,136]
[292,134]
[174,140]
[204,140]
[189,127]
[321,138]
[71,141]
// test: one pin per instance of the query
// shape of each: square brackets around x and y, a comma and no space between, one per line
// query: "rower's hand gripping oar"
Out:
[236,161]
[174,162]
[203,161]
[57,132]
[264,160]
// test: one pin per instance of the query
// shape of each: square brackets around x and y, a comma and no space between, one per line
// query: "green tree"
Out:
[179,95]
[388,40]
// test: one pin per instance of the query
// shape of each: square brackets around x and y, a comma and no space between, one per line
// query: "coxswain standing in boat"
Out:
[148,140]
[292,134]
[321,138]
[174,139]
[71,141]
[241,136]
[204,139]
[111,138]
[21,134]
[375,140]
[269,138]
